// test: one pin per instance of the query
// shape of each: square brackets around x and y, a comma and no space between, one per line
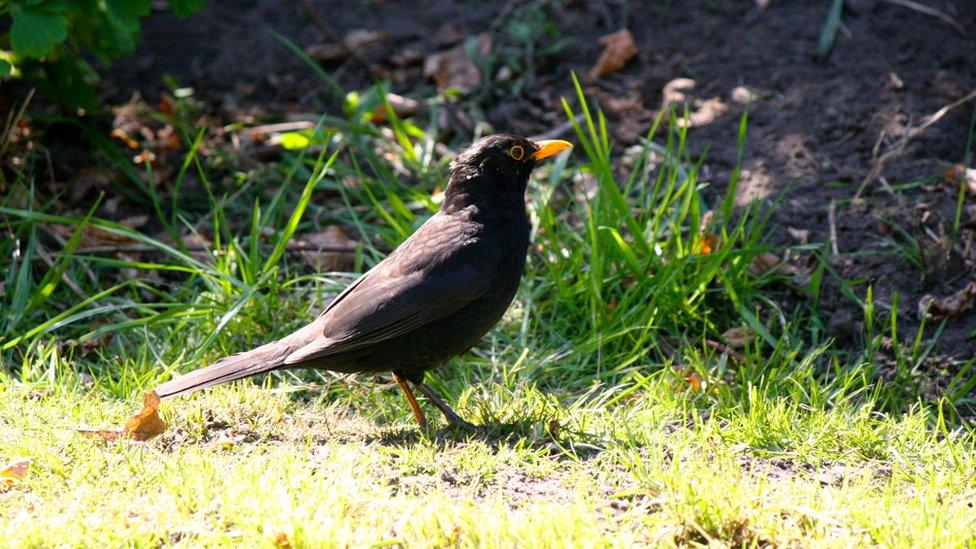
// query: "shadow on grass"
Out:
[532,433]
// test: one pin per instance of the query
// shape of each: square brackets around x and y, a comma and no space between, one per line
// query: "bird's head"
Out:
[500,164]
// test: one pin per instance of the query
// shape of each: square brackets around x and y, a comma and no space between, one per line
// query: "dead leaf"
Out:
[168,139]
[770,263]
[707,241]
[402,106]
[167,104]
[108,433]
[198,244]
[327,53]
[618,49]
[141,427]
[958,174]
[407,58]
[95,236]
[707,244]
[453,68]
[801,236]
[737,338]
[281,540]
[145,156]
[357,40]
[764,263]
[88,346]
[361,39]
[14,473]
[147,423]
[122,136]
[328,250]
[931,308]
[884,228]
[674,90]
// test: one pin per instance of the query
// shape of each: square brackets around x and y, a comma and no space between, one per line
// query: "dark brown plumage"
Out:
[431,299]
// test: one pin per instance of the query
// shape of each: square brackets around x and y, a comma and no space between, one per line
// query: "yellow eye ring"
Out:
[516,152]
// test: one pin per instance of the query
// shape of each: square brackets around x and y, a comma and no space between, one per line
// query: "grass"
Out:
[612,417]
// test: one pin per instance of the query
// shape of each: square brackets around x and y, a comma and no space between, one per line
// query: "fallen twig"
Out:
[281,127]
[832,223]
[899,147]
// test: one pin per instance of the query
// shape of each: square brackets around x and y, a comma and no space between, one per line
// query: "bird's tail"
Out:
[256,361]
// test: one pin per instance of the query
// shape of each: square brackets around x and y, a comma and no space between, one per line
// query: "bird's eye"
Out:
[516,152]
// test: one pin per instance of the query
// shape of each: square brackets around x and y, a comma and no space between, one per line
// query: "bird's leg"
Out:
[417,412]
[450,414]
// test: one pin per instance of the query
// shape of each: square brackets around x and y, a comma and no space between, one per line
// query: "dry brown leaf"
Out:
[355,41]
[328,250]
[93,235]
[402,106]
[167,104]
[884,228]
[707,241]
[361,39]
[146,156]
[453,69]
[737,338]
[13,473]
[932,308]
[108,433]
[707,244]
[327,53]
[770,263]
[281,541]
[407,58]
[147,423]
[142,426]
[958,174]
[122,136]
[764,263]
[618,49]
[801,236]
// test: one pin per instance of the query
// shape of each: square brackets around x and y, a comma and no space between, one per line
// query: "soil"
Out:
[813,125]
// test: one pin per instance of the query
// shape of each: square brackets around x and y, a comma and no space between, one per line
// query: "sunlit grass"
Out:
[611,416]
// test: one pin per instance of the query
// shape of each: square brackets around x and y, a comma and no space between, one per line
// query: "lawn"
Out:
[682,366]
[646,387]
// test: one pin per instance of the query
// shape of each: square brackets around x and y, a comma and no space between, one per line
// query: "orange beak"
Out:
[550,147]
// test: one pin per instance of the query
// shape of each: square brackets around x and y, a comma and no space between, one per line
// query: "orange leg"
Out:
[417,412]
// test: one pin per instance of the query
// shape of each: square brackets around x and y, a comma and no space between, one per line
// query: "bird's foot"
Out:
[418,413]
[452,417]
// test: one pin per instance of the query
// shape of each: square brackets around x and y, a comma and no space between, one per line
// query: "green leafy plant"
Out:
[50,41]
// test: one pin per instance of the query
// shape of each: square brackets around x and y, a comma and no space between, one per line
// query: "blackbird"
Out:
[431,299]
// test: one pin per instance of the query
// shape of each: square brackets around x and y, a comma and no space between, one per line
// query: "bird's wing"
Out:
[432,275]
